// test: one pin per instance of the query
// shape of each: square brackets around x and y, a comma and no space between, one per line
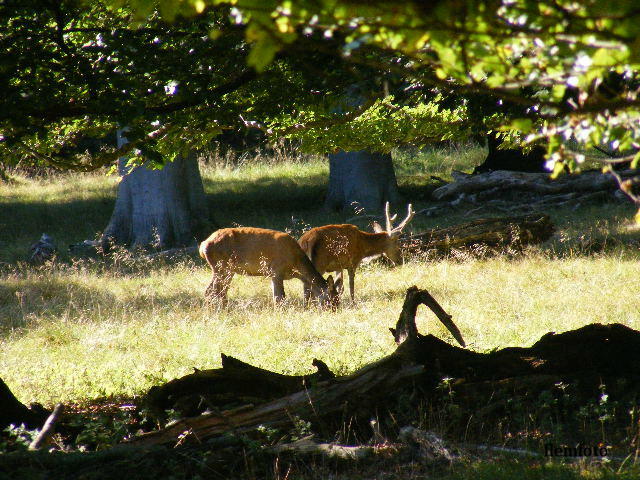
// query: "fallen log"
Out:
[496,233]
[307,446]
[485,384]
[47,429]
[236,383]
[328,396]
[541,183]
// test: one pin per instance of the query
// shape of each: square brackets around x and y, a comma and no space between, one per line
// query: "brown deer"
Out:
[333,248]
[266,253]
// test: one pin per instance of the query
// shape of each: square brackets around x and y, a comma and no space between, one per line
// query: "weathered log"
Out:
[324,398]
[587,357]
[541,183]
[406,326]
[236,383]
[47,429]
[501,232]
[307,446]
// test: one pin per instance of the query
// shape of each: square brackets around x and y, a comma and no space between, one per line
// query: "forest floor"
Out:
[96,336]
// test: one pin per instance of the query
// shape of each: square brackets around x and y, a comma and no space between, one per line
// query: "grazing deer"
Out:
[333,248]
[266,253]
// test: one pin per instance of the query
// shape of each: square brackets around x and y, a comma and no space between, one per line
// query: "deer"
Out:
[332,248]
[262,252]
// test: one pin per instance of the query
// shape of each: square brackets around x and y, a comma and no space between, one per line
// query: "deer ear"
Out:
[330,282]
[377,227]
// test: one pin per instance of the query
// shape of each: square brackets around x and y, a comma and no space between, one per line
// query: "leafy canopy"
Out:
[572,66]
[550,70]
[75,72]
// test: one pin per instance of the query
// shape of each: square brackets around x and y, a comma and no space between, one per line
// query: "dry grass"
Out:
[72,332]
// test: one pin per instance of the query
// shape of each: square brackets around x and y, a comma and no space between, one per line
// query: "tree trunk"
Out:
[163,208]
[361,180]
[511,158]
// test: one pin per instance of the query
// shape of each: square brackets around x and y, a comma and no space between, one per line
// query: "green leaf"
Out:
[558,169]
[262,53]
[523,125]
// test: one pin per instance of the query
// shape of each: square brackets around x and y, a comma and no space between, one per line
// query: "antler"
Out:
[399,228]
[388,220]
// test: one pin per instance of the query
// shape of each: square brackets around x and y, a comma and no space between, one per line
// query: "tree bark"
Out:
[494,233]
[163,208]
[361,180]
[495,183]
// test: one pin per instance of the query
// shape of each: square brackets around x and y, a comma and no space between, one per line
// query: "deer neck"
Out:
[309,272]
[375,243]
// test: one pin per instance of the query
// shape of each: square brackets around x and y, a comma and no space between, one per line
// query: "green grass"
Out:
[71,334]
[76,331]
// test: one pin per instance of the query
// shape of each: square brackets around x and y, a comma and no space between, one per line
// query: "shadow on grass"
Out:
[24,303]
[267,202]
[22,224]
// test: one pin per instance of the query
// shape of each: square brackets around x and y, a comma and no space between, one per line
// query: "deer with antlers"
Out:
[333,248]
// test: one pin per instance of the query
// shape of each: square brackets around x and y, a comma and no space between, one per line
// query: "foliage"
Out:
[75,72]
[540,71]
[571,66]
[16,437]
[381,127]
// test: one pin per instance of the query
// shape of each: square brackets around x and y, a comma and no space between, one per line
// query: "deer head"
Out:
[392,250]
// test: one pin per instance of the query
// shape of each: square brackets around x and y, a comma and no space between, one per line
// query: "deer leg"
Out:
[217,289]
[278,289]
[306,294]
[223,288]
[209,291]
[352,273]
[339,282]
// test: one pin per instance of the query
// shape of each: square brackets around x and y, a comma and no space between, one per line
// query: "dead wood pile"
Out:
[526,192]
[495,233]
[238,397]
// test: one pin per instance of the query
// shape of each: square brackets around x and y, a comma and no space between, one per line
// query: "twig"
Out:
[331,450]
[47,428]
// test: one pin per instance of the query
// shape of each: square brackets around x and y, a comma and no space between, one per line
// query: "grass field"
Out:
[76,331]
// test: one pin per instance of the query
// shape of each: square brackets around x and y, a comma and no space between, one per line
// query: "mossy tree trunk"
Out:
[163,208]
[361,180]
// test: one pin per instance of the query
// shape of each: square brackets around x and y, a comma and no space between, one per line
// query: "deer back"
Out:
[336,247]
[255,251]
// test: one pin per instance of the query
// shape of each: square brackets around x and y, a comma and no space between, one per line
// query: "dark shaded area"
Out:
[14,412]
[511,158]
[67,222]
[259,203]
[235,383]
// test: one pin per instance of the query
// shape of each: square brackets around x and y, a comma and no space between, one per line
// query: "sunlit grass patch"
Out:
[76,331]
[110,334]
